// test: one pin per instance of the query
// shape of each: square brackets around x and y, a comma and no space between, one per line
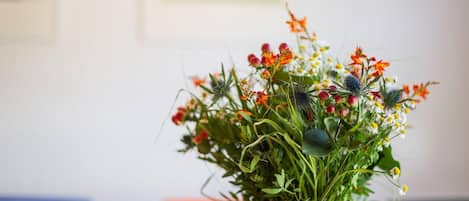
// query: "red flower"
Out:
[203,135]
[283,47]
[178,118]
[323,95]
[330,109]
[376,94]
[253,60]
[344,112]
[337,98]
[352,100]
[266,48]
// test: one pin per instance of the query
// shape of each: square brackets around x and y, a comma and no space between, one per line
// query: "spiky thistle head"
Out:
[392,97]
[301,98]
[352,84]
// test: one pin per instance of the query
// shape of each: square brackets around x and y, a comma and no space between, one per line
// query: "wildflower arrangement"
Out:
[302,125]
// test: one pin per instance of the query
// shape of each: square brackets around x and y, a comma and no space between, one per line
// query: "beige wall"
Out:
[78,115]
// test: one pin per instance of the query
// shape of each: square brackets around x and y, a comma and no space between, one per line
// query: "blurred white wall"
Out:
[78,115]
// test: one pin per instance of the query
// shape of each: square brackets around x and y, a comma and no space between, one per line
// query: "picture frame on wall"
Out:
[27,20]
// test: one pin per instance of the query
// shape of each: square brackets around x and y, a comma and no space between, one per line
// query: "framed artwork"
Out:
[191,22]
[26,20]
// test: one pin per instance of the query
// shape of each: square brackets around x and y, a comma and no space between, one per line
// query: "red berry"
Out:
[323,95]
[330,109]
[344,112]
[283,47]
[352,100]
[253,60]
[265,47]
[178,118]
[333,88]
[337,98]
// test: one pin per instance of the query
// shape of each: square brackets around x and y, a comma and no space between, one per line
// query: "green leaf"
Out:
[272,190]
[287,184]
[280,178]
[316,142]
[331,124]
[204,147]
[254,162]
[286,77]
[245,117]
[386,161]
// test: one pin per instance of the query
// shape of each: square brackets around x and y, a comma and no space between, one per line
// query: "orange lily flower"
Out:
[197,81]
[266,74]
[357,57]
[379,67]
[421,90]
[286,57]
[262,98]
[268,59]
[296,25]
[406,89]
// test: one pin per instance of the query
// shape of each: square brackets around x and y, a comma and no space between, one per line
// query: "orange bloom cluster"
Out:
[262,98]
[269,58]
[419,90]
[198,81]
[296,25]
[202,135]
[178,118]
[379,67]
[359,59]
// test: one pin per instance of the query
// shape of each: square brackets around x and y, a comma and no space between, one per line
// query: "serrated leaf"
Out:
[316,142]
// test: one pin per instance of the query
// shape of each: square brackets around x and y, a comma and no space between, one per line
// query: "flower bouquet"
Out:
[302,125]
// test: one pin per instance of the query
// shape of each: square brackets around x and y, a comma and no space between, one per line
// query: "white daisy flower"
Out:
[373,128]
[395,172]
[403,190]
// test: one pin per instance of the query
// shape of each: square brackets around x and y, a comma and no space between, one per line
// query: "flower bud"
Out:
[352,100]
[266,47]
[283,47]
[344,112]
[323,95]
[330,109]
